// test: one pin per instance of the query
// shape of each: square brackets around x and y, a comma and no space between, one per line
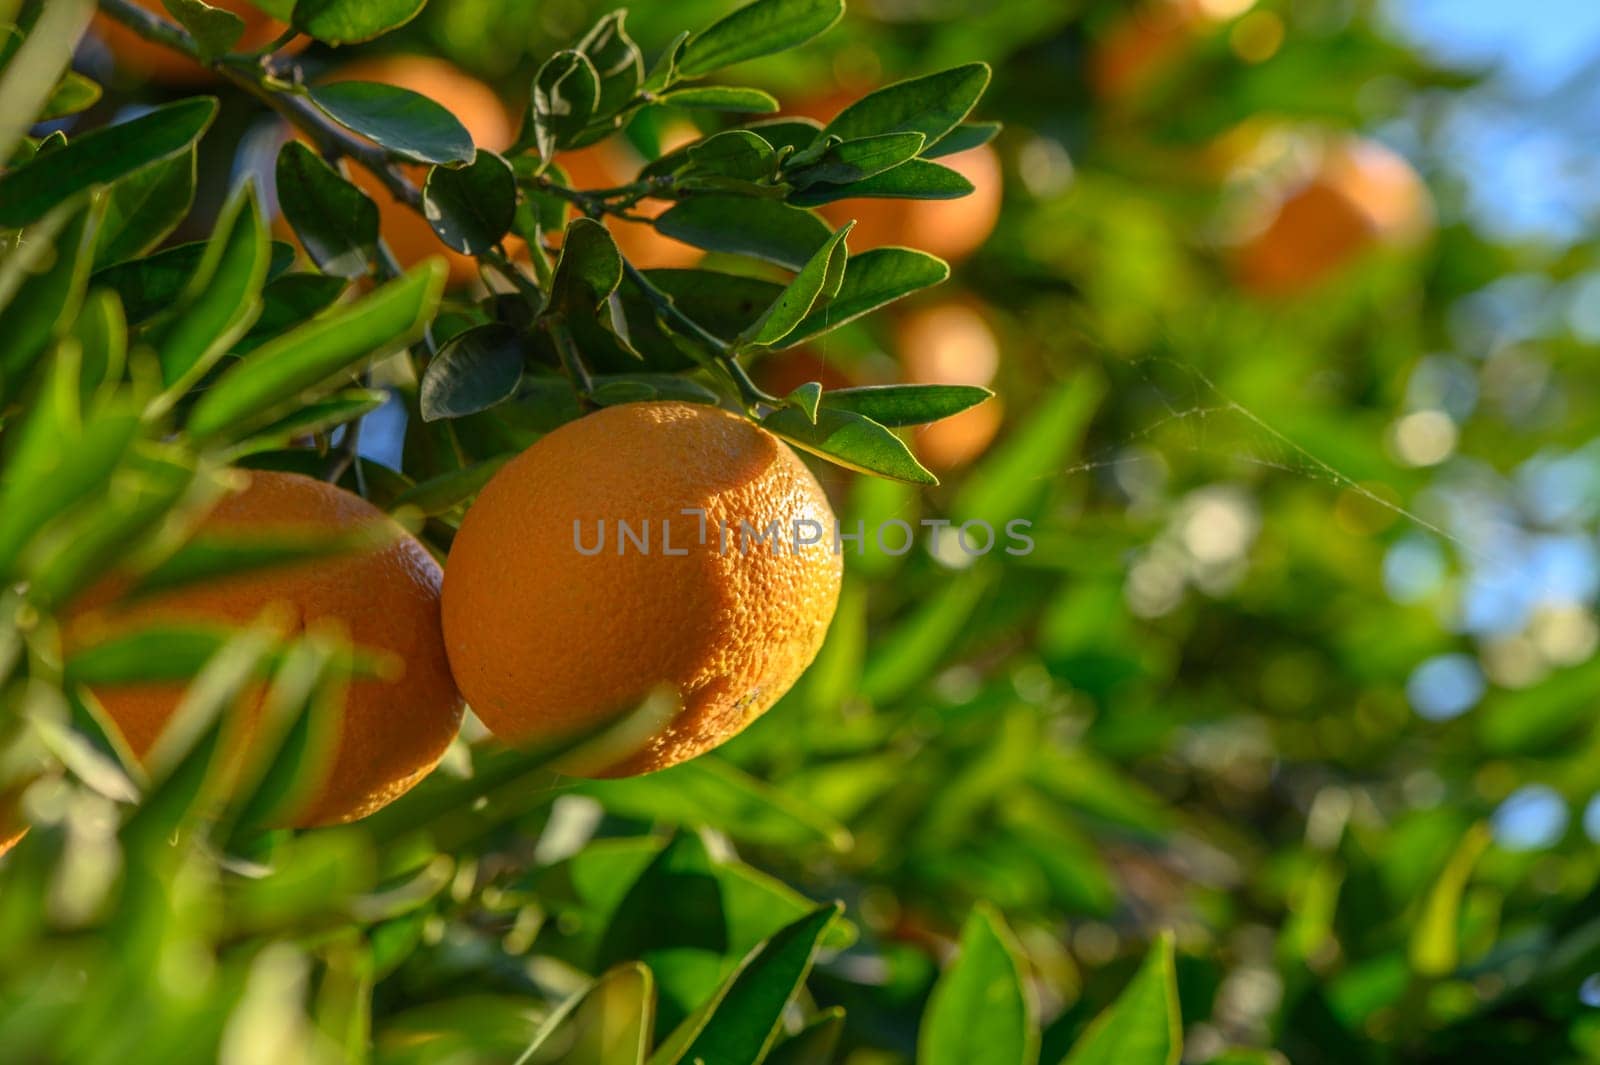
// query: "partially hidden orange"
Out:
[611,561]
[951,343]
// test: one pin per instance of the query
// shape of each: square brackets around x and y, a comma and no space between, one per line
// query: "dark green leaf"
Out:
[722,98]
[981,1012]
[916,179]
[1144,1025]
[73,93]
[288,301]
[736,153]
[566,92]
[214,30]
[849,440]
[762,229]
[150,285]
[29,192]
[815,1044]
[336,222]
[963,138]
[471,208]
[795,301]
[665,70]
[850,161]
[407,123]
[254,392]
[794,133]
[448,490]
[757,29]
[607,1023]
[44,284]
[616,61]
[872,279]
[932,105]
[143,208]
[353,21]
[898,405]
[590,267]
[808,397]
[473,371]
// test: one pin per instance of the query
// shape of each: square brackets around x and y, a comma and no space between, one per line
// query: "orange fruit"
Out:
[477,107]
[386,597]
[1360,196]
[612,162]
[951,344]
[950,229]
[160,63]
[548,636]
[1144,45]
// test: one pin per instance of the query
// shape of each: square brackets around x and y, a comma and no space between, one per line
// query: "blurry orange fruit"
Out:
[1148,41]
[782,372]
[1359,196]
[547,639]
[393,732]
[473,103]
[951,344]
[950,229]
[160,63]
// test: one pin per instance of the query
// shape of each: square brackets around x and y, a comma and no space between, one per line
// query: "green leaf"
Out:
[757,29]
[1144,1025]
[353,21]
[607,1023]
[711,793]
[144,208]
[736,99]
[735,153]
[1436,933]
[471,208]
[613,389]
[981,1012]
[664,71]
[590,267]
[872,279]
[849,440]
[74,93]
[932,105]
[850,161]
[808,397]
[283,371]
[211,556]
[616,61]
[795,302]
[102,334]
[287,302]
[214,30]
[898,405]
[222,298]
[336,222]
[916,179]
[150,285]
[1003,486]
[43,286]
[318,416]
[475,370]
[29,192]
[963,138]
[29,77]
[815,1044]
[742,1021]
[150,654]
[444,493]
[566,92]
[407,123]
[761,229]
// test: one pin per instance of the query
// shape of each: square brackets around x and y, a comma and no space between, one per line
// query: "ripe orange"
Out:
[393,731]
[1360,196]
[951,344]
[1144,44]
[160,63]
[477,107]
[546,639]
[950,229]
[611,163]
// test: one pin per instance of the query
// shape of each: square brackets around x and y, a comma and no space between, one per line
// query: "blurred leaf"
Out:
[872,279]
[152,284]
[353,21]
[963,138]
[102,334]
[732,98]
[607,1023]
[566,92]
[825,269]
[755,30]
[932,105]
[981,1012]
[899,405]
[912,649]
[851,441]
[319,416]
[1009,478]
[148,655]
[741,1022]
[39,300]
[814,1044]
[474,371]
[471,208]
[916,179]
[612,389]
[209,556]
[1541,717]
[407,123]
[1436,934]
[73,94]
[215,31]
[29,192]
[281,372]
[288,301]
[1144,1025]
[144,208]
[708,791]
[448,490]
[761,229]
[336,222]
